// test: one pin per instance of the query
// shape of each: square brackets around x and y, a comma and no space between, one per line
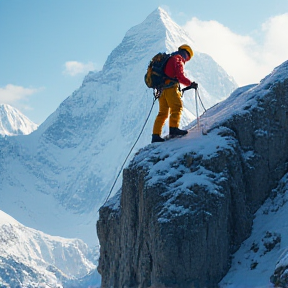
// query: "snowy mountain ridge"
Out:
[13,122]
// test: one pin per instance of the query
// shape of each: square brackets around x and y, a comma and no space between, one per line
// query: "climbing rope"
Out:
[155,98]
[196,91]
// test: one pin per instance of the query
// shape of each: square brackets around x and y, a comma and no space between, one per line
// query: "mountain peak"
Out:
[160,14]
[175,35]
[158,32]
[13,122]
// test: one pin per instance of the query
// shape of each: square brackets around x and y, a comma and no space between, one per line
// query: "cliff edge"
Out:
[187,204]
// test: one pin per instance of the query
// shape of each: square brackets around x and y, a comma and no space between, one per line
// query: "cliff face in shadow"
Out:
[187,204]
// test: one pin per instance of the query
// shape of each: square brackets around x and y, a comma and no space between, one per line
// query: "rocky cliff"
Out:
[187,204]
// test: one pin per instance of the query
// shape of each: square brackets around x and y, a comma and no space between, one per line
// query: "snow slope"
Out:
[13,122]
[267,247]
[56,178]
[28,256]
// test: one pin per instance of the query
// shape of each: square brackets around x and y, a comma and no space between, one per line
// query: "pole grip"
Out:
[186,88]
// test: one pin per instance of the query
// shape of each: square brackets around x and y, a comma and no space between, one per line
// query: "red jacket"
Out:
[175,69]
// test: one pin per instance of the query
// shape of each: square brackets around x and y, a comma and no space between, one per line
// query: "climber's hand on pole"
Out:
[193,85]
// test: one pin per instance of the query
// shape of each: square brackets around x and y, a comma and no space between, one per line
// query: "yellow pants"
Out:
[169,101]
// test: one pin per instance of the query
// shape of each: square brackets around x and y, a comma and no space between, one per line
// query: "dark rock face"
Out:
[280,277]
[183,211]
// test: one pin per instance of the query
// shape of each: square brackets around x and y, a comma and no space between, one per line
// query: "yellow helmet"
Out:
[188,49]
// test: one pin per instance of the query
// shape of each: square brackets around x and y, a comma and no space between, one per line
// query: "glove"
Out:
[194,85]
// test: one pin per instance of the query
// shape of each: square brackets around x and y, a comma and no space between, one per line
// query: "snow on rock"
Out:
[13,122]
[266,249]
[280,276]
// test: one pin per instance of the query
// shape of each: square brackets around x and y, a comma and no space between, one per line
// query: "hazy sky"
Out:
[48,46]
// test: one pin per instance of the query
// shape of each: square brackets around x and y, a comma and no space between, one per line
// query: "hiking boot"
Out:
[157,138]
[174,131]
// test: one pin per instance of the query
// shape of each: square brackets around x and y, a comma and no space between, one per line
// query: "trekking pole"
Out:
[196,104]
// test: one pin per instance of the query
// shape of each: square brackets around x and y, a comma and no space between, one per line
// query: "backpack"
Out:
[155,76]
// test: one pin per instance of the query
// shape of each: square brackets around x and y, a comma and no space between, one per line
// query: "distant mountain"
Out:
[56,178]
[30,257]
[13,122]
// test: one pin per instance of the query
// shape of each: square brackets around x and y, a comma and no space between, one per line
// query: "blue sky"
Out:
[48,46]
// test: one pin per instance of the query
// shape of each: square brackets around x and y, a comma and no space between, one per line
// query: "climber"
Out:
[170,99]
